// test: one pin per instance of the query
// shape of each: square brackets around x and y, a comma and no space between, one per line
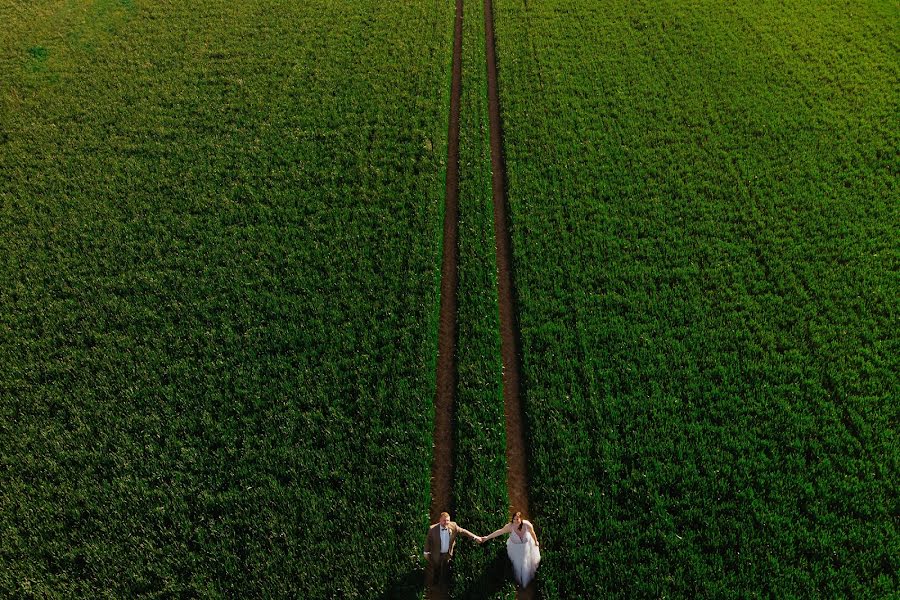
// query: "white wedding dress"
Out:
[525,556]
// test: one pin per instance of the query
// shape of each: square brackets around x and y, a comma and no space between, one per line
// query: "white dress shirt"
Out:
[445,540]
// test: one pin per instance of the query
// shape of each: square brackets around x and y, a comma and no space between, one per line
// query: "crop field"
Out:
[217,334]
[220,262]
[704,216]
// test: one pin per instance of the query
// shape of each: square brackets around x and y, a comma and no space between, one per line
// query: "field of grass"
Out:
[220,242]
[704,217]
[217,334]
[480,496]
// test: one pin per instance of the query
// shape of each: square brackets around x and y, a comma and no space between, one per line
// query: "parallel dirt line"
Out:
[442,465]
[517,477]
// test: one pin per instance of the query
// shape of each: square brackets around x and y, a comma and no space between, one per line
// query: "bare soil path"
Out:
[516,457]
[442,465]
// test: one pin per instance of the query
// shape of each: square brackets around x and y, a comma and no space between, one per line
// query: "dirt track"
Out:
[442,465]
[516,457]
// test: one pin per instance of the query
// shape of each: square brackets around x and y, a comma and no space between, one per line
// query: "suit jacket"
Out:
[433,540]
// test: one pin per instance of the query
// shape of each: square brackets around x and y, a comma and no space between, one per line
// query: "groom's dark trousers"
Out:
[442,572]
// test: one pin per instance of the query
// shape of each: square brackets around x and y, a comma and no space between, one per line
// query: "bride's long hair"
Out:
[521,519]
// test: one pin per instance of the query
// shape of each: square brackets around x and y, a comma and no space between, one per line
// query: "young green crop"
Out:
[704,220]
[219,250]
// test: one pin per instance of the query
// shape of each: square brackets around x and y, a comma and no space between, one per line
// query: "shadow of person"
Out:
[406,586]
[495,576]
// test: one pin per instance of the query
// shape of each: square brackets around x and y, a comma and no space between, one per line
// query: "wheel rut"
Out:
[510,346]
[446,377]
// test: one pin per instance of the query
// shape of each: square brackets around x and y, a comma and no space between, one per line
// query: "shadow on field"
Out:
[407,586]
[494,578]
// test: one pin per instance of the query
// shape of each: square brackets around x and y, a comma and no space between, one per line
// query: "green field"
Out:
[220,245]
[705,228]
[217,334]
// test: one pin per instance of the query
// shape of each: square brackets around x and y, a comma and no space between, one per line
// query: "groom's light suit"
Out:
[440,562]
[433,541]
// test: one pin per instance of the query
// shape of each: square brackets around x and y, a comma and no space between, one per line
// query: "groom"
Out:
[439,545]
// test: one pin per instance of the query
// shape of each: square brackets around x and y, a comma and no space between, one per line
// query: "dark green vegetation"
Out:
[479,485]
[219,250]
[219,244]
[704,210]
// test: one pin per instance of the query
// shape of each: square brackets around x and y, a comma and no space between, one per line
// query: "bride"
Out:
[521,546]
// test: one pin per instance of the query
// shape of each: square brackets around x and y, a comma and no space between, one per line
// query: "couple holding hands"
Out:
[522,547]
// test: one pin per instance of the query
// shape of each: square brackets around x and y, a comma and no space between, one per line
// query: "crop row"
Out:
[217,334]
[703,208]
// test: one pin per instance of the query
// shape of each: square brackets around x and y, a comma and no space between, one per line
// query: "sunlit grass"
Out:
[704,214]
[219,251]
